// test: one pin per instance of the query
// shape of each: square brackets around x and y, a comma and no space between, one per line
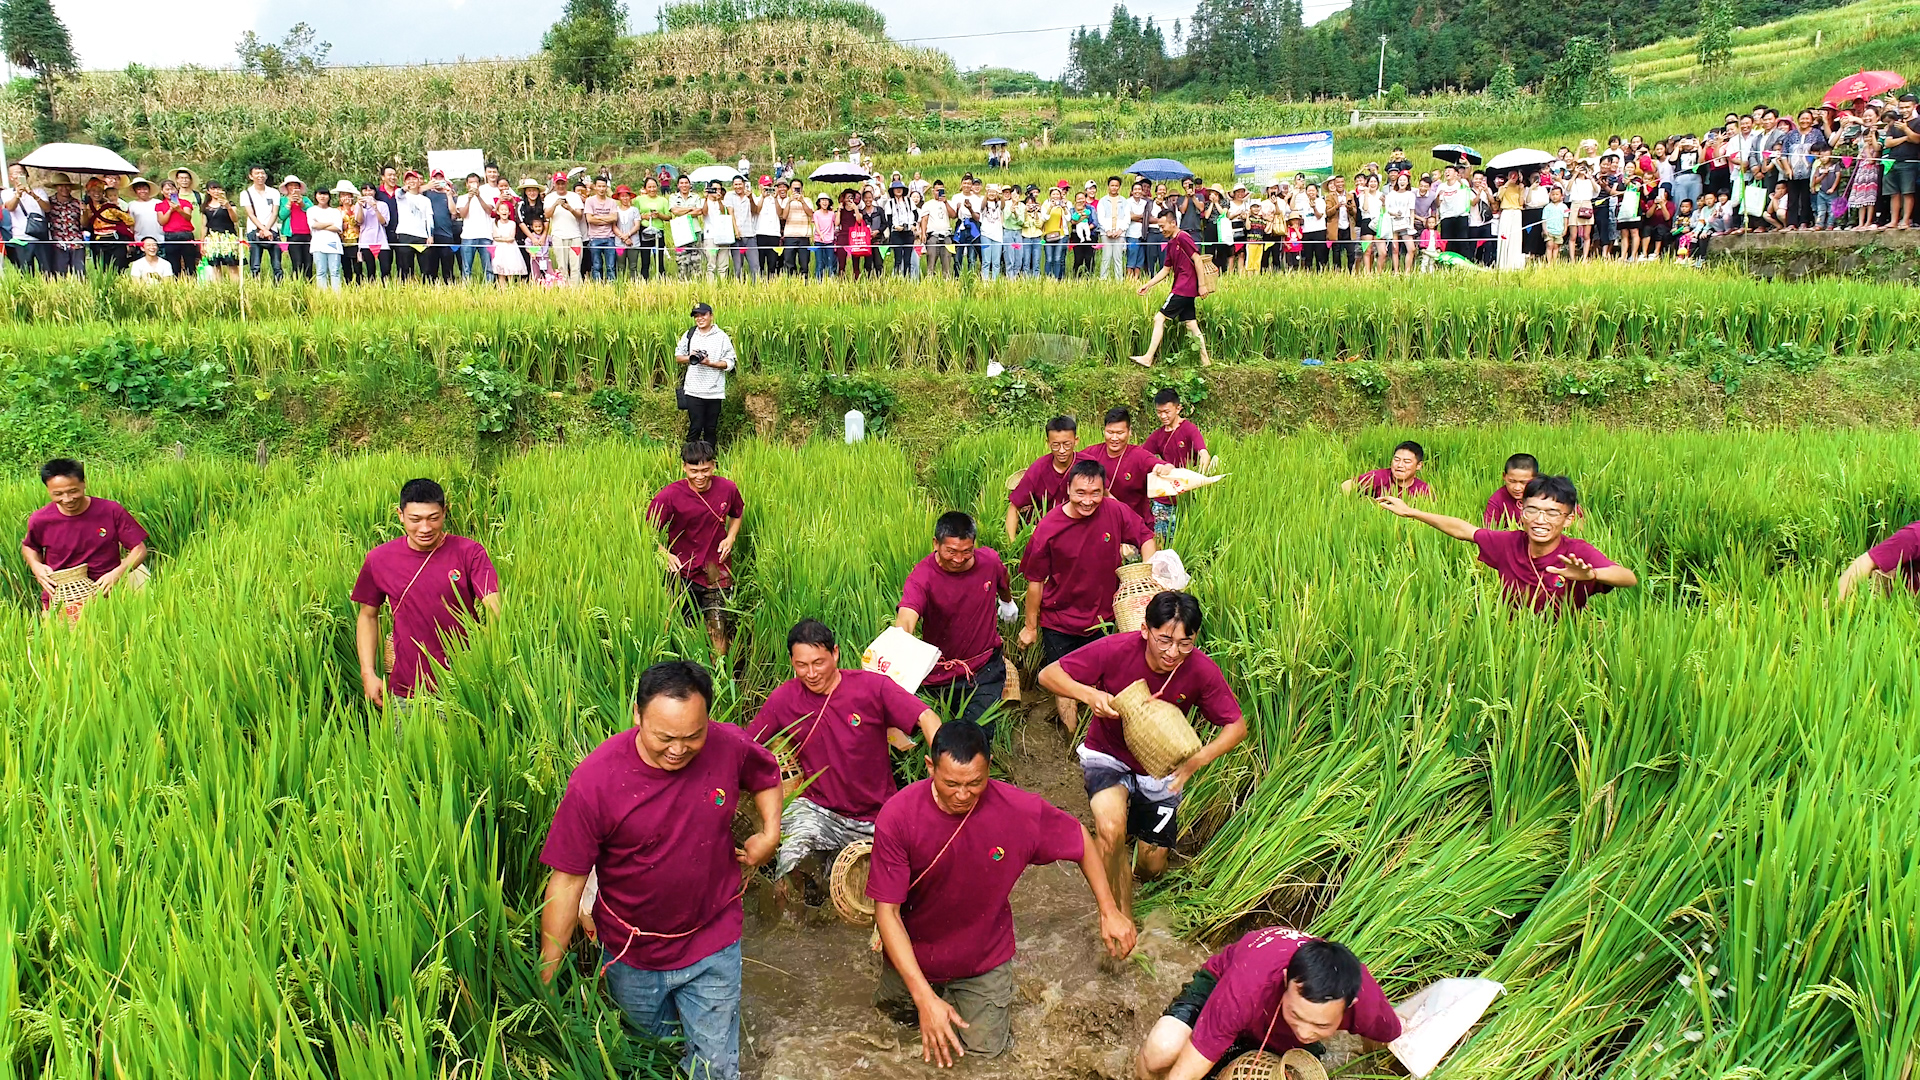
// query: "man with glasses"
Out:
[1540,567]
[1126,802]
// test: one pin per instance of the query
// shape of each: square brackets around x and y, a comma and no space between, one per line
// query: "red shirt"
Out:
[1078,560]
[695,523]
[1181,251]
[1503,510]
[176,215]
[841,738]
[1253,979]
[663,843]
[1041,487]
[952,874]
[959,613]
[1126,475]
[1525,579]
[92,538]
[1899,553]
[428,592]
[1380,482]
[1114,662]
[1181,446]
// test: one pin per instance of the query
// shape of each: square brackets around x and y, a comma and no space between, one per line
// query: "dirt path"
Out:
[1078,1016]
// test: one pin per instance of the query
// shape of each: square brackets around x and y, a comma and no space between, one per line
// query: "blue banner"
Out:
[1272,158]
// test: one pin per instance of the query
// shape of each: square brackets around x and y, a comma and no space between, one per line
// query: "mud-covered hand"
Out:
[1116,929]
[939,1043]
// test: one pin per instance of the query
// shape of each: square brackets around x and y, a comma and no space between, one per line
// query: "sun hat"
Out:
[345,187]
[527,182]
[139,181]
[623,190]
[61,179]
[292,179]
[897,185]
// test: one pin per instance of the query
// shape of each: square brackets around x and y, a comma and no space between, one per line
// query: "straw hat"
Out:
[61,179]
[192,177]
[139,181]
[292,179]
[345,187]
[527,182]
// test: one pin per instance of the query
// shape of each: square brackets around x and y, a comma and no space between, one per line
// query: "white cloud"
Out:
[112,35]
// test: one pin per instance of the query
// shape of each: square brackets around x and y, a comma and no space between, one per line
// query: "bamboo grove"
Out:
[1675,827]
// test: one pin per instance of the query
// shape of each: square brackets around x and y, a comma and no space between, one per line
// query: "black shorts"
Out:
[1151,819]
[1903,178]
[708,605]
[1055,644]
[1180,308]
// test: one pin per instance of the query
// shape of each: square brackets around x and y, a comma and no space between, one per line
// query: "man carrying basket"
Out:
[957,597]
[1128,798]
[77,533]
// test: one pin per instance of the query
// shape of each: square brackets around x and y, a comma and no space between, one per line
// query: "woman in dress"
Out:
[1513,200]
[223,234]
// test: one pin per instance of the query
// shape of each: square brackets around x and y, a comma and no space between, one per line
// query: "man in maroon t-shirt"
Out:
[957,598]
[1539,566]
[1179,443]
[1126,802]
[651,810]
[1896,557]
[1072,565]
[75,529]
[1504,505]
[1127,464]
[701,515]
[1400,477]
[1044,485]
[947,852]
[836,725]
[1181,262]
[430,581]
[1274,989]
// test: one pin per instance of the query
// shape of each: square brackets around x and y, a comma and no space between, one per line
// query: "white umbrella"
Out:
[706,174]
[1520,159]
[840,172]
[79,158]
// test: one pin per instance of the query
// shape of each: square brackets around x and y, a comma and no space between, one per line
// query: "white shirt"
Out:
[768,221]
[934,213]
[1450,199]
[740,208]
[1400,210]
[1113,214]
[142,269]
[990,223]
[325,241]
[146,218]
[563,215]
[476,215]
[703,382]
[967,207]
[1136,213]
[262,205]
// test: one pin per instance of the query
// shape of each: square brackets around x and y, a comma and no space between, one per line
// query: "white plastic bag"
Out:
[1439,1016]
[1168,571]
[901,657]
[1179,481]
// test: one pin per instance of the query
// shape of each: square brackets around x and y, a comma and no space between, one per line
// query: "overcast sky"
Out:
[381,31]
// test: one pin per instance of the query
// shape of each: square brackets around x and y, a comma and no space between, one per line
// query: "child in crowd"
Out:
[1553,222]
[1296,242]
[539,246]
[1401,477]
[1777,207]
[1865,190]
[1824,180]
[1430,242]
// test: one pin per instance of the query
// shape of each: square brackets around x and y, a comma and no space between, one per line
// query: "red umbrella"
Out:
[1864,85]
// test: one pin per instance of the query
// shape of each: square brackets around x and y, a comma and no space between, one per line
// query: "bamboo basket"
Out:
[1013,481]
[1156,731]
[1137,587]
[848,883]
[72,589]
[1012,690]
[1296,1064]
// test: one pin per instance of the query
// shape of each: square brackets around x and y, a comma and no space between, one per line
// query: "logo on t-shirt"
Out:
[997,854]
[719,797]
[103,533]
[1106,538]
[853,719]
[453,577]
[1126,476]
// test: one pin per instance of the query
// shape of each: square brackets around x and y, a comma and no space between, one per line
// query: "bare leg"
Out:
[1153,347]
[1069,711]
[1110,833]
[1193,327]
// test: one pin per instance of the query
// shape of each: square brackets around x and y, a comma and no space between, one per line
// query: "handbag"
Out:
[36,228]
[859,240]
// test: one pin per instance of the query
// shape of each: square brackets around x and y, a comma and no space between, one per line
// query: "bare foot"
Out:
[1143,361]
[1204,362]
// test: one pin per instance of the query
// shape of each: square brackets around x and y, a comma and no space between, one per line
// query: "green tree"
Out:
[297,53]
[1503,87]
[1716,34]
[1583,73]
[587,47]
[1129,57]
[34,38]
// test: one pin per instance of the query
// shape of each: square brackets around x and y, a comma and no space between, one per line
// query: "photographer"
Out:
[708,353]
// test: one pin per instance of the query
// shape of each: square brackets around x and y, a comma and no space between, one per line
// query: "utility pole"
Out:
[1380,85]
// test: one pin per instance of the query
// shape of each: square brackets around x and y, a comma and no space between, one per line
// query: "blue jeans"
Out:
[257,247]
[824,261]
[481,249]
[1055,252]
[600,258]
[1822,209]
[990,256]
[700,1002]
[326,269]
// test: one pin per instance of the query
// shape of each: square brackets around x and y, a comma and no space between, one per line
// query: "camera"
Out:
[698,356]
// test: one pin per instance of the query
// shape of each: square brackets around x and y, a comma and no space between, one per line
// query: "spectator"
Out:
[26,205]
[686,211]
[601,214]
[767,230]
[174,214]
[297,235]
[375,246]
[825,226]
[475,209]
[566,211]
[651,239]
[144,209]
[444,249]
[150,266]
[325,222]
[412,229]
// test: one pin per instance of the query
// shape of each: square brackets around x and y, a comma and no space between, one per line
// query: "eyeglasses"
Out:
[1541,513]
[1168,641]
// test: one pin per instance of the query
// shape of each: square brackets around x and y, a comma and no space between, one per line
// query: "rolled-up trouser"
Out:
[983,1001]
[807,827]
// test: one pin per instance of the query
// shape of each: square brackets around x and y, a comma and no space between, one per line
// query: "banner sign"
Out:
[1272,158]
[457,164]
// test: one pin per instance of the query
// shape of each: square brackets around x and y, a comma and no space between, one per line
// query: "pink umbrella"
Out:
[1864,85]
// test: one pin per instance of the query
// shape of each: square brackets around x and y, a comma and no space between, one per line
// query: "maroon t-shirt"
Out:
[1126,475]
[1380,482]
[959,613]
[1525,579]
[663,843]
[841,737]
[1114,662]
[951,874]
[93,537]
[1181,251]
[695,523]
[1900,553]
[1078,560]
[1040,487]
[428,593]
[1503,510]
[1246,1002]
[1181,446]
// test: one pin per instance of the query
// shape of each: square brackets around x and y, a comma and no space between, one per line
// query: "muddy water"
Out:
[1078,1015]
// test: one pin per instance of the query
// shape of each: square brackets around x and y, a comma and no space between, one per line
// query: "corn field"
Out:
[589,337]
[1675,827]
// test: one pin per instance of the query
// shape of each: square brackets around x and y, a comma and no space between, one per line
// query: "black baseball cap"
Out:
[1910,96]
[702,308]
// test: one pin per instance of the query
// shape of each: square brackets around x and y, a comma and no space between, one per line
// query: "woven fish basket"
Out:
[1013,481]
[1137,587]
[1259,1065]
[789,761]
[1012,690]
[848,883]
[1156,731]
[72,589]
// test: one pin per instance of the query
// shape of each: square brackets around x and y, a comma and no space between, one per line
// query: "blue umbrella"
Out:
[994,142]
[1456,154]
[1159,168]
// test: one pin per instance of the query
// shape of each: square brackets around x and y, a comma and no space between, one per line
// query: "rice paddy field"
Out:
[1677,827]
